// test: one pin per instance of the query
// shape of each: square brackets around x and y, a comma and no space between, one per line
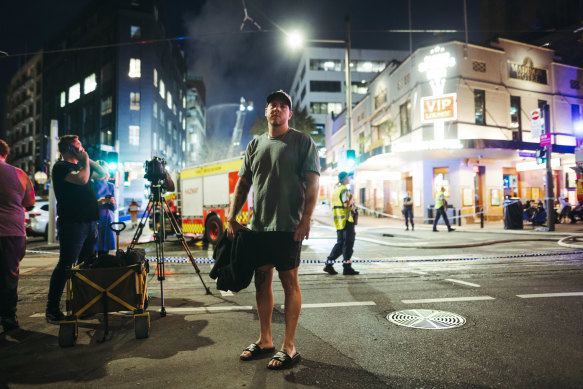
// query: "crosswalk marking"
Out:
[539,295]
[462,282]
[334,305]
[447,299]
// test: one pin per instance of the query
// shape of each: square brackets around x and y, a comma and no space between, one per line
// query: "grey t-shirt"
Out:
[276,167]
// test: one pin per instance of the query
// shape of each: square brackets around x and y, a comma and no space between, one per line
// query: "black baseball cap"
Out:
[281,95]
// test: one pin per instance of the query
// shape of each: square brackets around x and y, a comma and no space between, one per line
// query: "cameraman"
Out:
[78,214]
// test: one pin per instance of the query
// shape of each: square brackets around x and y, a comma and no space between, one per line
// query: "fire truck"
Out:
[205,194]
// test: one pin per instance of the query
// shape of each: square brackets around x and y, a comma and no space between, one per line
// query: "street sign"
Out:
[537,123]
[545,139]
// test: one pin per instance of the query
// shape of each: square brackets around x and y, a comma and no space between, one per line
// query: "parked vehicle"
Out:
[39,219]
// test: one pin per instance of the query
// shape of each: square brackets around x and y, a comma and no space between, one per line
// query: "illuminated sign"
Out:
[532,165]
[439,108]
[446,144]
[526,71]
[435,66]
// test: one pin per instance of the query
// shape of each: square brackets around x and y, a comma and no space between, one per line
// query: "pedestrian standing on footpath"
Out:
[343,211]
[134,208]
[16,193]
[283,167]
[408,211]
[77,213]
[440,208]
[105,192]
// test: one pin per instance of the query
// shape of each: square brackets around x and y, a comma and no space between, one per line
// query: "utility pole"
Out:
[54,135]
[549,196]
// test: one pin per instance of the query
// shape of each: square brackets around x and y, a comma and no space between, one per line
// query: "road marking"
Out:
[418,272]
[567,294]
[446,299]
[462,282]
[331,305]
[22,271]
[203,309]
[226,293]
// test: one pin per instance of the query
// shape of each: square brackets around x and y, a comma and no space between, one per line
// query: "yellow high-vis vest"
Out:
[339,211]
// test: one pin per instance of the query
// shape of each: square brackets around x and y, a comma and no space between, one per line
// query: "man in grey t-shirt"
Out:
[283,168]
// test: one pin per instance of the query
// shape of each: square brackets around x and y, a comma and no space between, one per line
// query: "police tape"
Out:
[202,260]
[391,260]
[459,216]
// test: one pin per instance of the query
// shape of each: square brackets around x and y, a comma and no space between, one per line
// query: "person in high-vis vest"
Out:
[342,210]
[440,207]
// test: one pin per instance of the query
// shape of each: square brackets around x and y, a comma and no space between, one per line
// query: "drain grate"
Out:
[426,319]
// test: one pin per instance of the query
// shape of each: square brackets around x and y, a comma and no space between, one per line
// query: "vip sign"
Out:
[443,108]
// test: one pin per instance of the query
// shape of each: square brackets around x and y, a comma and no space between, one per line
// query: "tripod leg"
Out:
[180,237]
[160,259]
[145,217]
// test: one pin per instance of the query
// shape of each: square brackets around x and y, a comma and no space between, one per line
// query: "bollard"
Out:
[481,217]
[459,219]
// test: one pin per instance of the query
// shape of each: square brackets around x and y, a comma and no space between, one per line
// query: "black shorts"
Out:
[279,249]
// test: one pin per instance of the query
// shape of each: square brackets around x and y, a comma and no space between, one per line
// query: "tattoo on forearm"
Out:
[260,277]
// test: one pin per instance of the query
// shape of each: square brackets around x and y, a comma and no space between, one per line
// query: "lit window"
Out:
[135,101]
[184,102]
[174,108]
[74,92]
[155,78]
[134,135]
[135,32]
[155,109]
[63,99]
[184,124]
[162,89]
[480,106]
[169,100]
[106,105]
[90,84]
[154,142]
[135,68]
[183,146]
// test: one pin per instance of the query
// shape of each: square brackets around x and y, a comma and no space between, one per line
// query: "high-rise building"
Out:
[23,118]
[195,120]
[115,77]
[319,82]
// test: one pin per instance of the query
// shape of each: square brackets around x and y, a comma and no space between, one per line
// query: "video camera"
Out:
[155,170]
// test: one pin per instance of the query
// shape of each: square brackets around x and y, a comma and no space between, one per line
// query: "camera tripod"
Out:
[158,209]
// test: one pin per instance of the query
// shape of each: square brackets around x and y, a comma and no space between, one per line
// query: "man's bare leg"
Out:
[293,306]
[264,300]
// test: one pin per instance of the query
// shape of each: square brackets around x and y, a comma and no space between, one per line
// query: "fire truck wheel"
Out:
[213,229]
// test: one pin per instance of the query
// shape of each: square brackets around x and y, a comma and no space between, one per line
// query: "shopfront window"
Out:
[515,121]
[440,179]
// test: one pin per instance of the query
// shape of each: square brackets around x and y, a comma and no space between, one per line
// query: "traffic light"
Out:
[350,158]
[541,155]
[112,160]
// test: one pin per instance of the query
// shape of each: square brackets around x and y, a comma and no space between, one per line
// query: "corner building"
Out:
[459,116]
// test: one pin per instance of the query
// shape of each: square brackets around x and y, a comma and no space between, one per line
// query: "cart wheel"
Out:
[142,325]
[68,334]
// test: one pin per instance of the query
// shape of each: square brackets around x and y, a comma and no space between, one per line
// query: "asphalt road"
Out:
[522,302]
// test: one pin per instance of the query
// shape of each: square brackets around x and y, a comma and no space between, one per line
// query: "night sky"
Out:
[250,63]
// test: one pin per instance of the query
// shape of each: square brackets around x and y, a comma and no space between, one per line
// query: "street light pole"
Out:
[348,84]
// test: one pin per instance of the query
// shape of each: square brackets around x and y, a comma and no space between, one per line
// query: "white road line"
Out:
[567,294]
[446,299]
[22,271]
[417,272]
[462,282]
[204,309]
[331,305]
[226,293]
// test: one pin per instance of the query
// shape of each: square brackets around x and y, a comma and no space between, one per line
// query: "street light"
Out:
[295,40]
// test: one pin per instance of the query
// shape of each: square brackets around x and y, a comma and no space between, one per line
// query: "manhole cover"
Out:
[427,319]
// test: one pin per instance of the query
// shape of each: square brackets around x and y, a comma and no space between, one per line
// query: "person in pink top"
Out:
[16,193]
